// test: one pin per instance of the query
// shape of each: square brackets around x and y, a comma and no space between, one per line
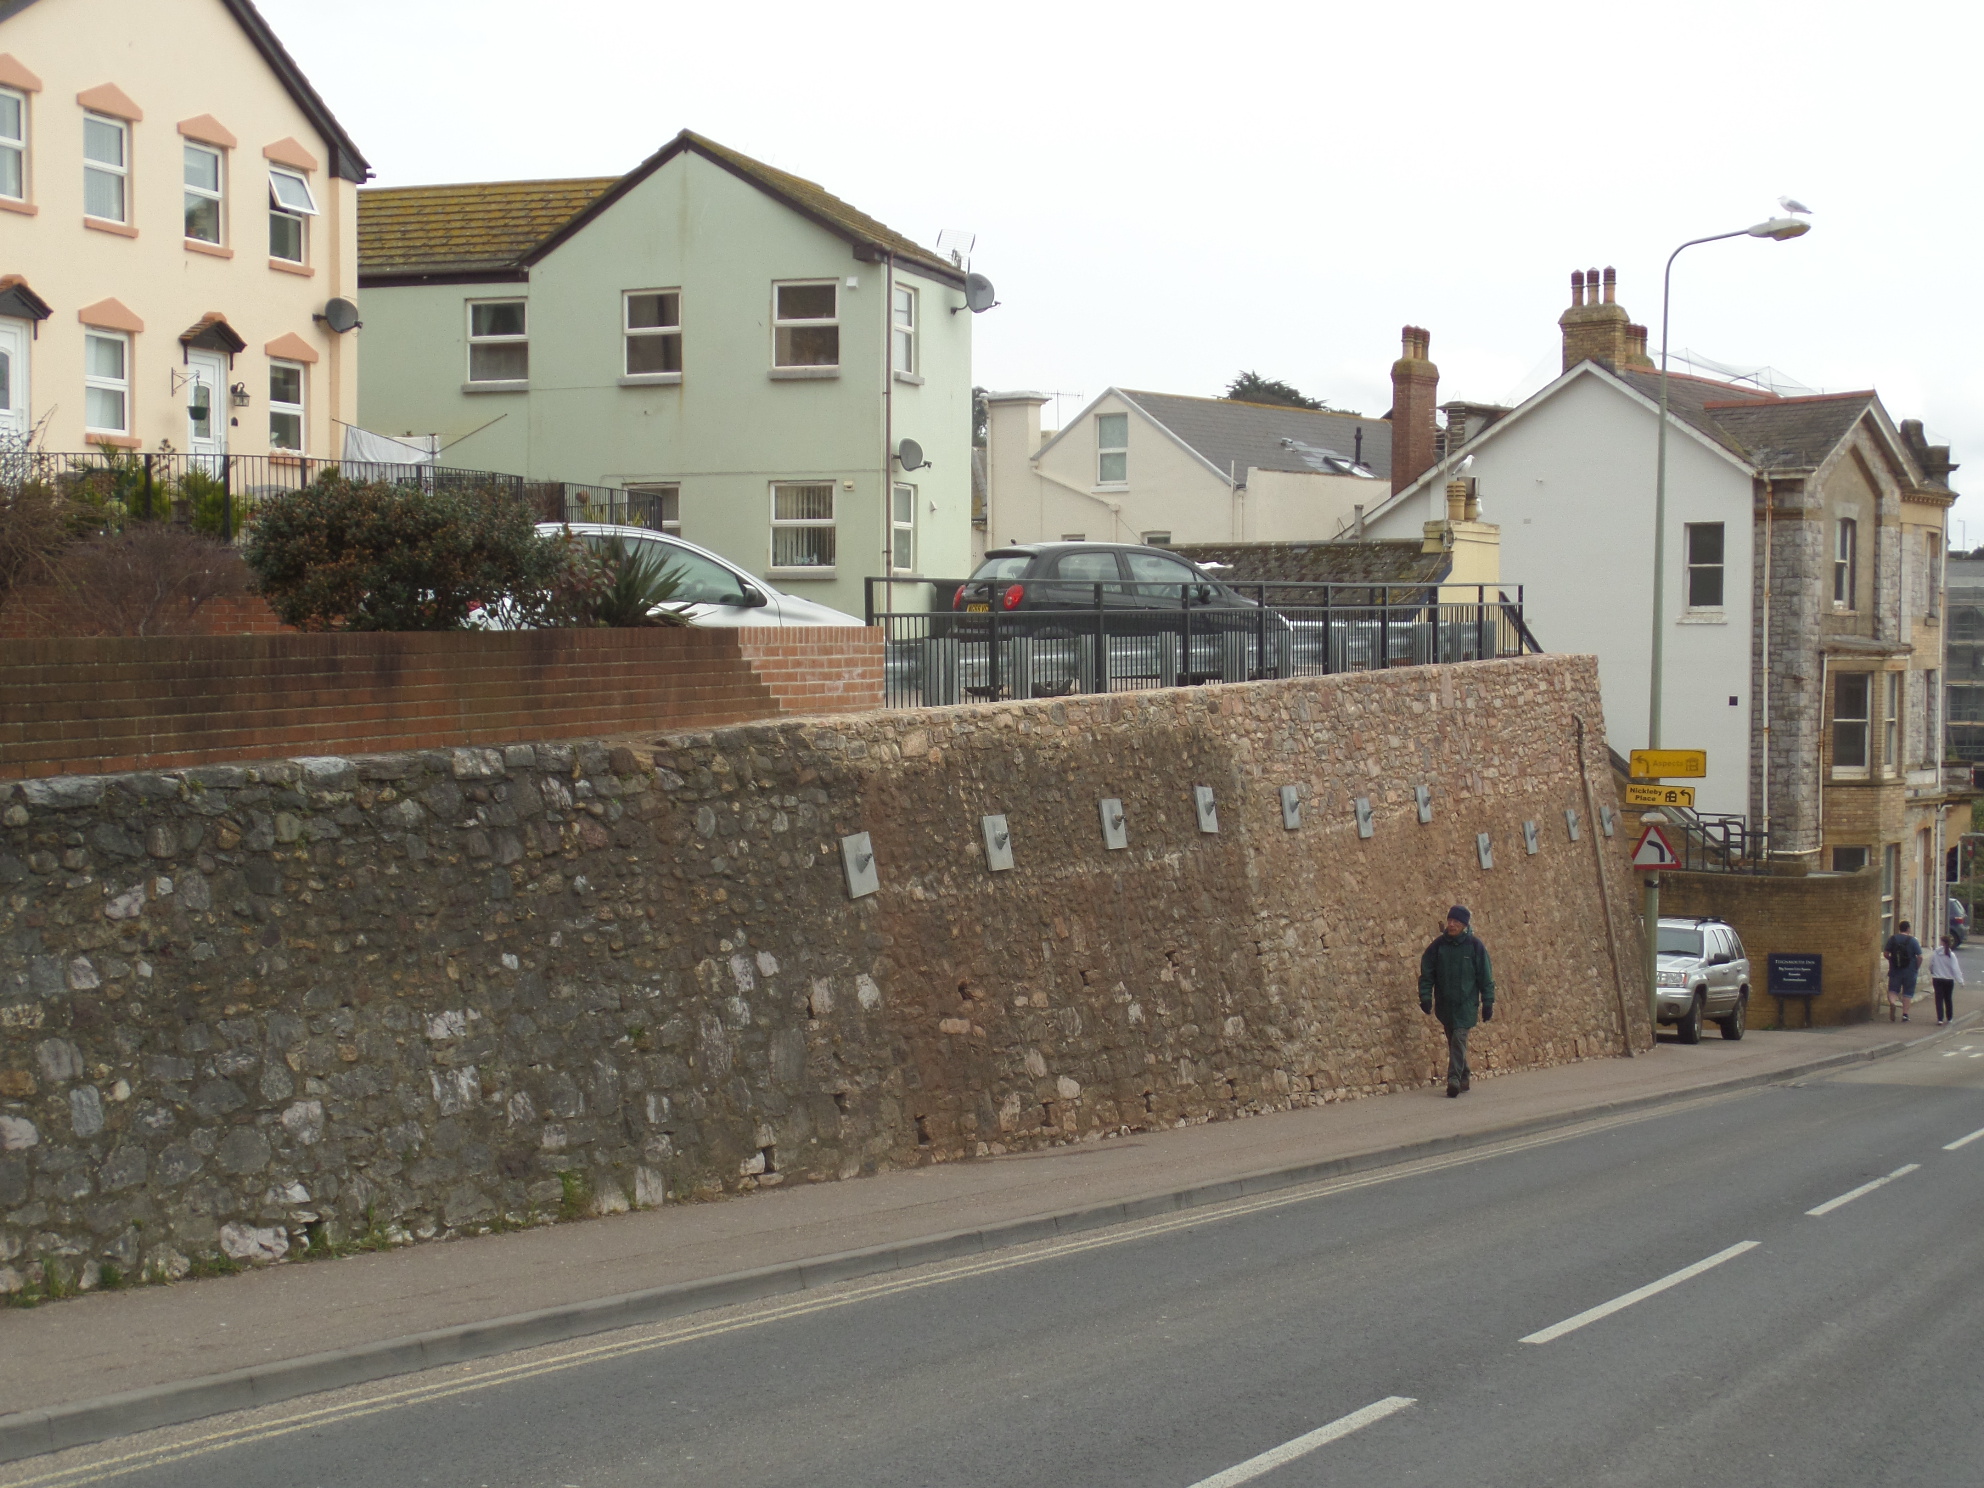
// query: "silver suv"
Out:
[1704,974]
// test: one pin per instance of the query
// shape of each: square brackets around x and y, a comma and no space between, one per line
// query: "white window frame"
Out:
[1694,566]
[298,408]
[1890,882]
[217,195]
[1845,562]
[630,333]
[17,145]
[1894,697]
[1932,731]
[120,386]
[1103,452]
[902,528]
[522,339]
[828,523]
[779,323]
[670,495]
[905,329]
[289,212]
[120,172]
[1862,722]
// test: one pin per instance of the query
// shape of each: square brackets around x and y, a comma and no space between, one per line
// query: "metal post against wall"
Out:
[1101,643]
[227,498]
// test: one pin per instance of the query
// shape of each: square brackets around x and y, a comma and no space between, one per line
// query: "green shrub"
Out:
[336,555]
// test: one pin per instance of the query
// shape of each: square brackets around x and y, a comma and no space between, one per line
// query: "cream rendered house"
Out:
[177,206]
[735,345]
[1157,467]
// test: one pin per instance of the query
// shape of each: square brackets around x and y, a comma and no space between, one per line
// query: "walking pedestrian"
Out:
[1944,973]
[1456,984]
[1904,953]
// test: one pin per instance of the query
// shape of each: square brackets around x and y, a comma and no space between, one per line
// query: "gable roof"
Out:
[496,230]
[479,230]
[346,161]
[1788,434]
[1231,438]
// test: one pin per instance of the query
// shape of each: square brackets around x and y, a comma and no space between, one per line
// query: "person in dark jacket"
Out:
[1456,984]
[1904,953]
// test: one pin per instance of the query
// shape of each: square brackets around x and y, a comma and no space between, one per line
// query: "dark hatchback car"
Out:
[1132,594]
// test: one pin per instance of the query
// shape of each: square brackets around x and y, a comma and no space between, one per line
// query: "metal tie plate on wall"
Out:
[1606,819]
[857,856]
[1484,849]
[998,843]
[1291,807]
[1362,806]
[1115,829]
[1423,794]
[1208,813]
[1571,823]
[1529,842]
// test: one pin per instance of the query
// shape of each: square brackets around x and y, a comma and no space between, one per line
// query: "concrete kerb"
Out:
[56,1428]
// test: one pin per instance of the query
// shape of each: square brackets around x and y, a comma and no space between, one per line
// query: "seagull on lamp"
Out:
[1792,204]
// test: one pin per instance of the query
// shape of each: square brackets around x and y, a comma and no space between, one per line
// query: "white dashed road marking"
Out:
[1652,1288]
[1866,1188]
[1963,1141]
[1302,1446]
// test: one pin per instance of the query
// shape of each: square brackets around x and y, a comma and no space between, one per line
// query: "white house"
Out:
[1802,610]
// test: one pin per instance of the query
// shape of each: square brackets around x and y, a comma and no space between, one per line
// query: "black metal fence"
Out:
[1128,636]
[217,493]
[1713,842]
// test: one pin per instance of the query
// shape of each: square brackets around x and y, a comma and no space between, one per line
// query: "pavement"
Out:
[108,1364]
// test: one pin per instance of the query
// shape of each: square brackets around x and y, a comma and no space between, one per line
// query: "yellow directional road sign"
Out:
[1660,795]
[1659,764]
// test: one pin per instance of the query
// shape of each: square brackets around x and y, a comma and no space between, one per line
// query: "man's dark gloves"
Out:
[1426,1008]
[1487,1013]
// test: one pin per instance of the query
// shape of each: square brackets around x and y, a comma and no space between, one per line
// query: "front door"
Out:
[14,417]
[206,404]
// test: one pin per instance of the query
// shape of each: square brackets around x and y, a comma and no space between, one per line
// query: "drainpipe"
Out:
[1770,504]
[888,431]
[1825,667]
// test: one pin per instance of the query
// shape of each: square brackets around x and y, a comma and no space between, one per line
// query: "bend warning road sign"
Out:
[1659,764]
[1653,850]
[1660,795]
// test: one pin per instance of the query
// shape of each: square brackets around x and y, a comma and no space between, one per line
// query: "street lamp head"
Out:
[1780,228]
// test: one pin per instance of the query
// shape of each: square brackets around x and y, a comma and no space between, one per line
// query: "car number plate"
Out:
[971,609]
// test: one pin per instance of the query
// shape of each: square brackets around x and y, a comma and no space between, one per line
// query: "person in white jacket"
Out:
[1944,974]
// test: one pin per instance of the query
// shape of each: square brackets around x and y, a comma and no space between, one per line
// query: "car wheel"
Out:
[1732,1026]
[1690,1027]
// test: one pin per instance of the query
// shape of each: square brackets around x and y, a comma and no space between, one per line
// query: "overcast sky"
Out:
[1165,196]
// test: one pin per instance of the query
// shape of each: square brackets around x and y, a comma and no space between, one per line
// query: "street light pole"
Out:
[1778,229]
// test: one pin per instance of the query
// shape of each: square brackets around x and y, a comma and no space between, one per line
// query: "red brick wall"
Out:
[90,705]
[824,669]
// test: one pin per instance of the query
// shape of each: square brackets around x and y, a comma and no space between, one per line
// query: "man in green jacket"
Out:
[1455,984]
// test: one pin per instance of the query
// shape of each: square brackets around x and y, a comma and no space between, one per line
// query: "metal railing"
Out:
[1115,637]
[1712,842]
[217,493]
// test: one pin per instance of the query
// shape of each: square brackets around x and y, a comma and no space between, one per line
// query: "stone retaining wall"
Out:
[432,992]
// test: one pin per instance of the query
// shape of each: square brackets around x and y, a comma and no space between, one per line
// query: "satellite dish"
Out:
[979,296]
[909,455]
[341,316]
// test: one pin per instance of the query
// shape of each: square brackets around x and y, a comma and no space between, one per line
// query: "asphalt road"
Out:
[1699,1296]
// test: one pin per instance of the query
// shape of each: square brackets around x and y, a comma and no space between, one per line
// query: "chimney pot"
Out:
[1456,501]
[1611,285]
[1577,287]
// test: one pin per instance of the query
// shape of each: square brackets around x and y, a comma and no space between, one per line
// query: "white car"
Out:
[714,591]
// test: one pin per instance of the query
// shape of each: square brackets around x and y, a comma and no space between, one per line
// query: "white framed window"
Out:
[106,168]
[803,530]
[1704,565]
[1890,880]
[286,406]
[1112,449]
[1852,697]
[806,324]
[291,206]
[204,170]
[106,382]
[1845,563]
[657,505]
[652,319]
[13,145]
[498,347]
[902,528]
[1891,726]
[903,326]
[1155,539]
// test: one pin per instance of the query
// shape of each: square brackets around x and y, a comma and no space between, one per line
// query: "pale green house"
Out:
[739,348]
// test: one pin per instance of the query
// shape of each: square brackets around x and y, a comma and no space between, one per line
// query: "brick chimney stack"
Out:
[1597,328]
[1415,395]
